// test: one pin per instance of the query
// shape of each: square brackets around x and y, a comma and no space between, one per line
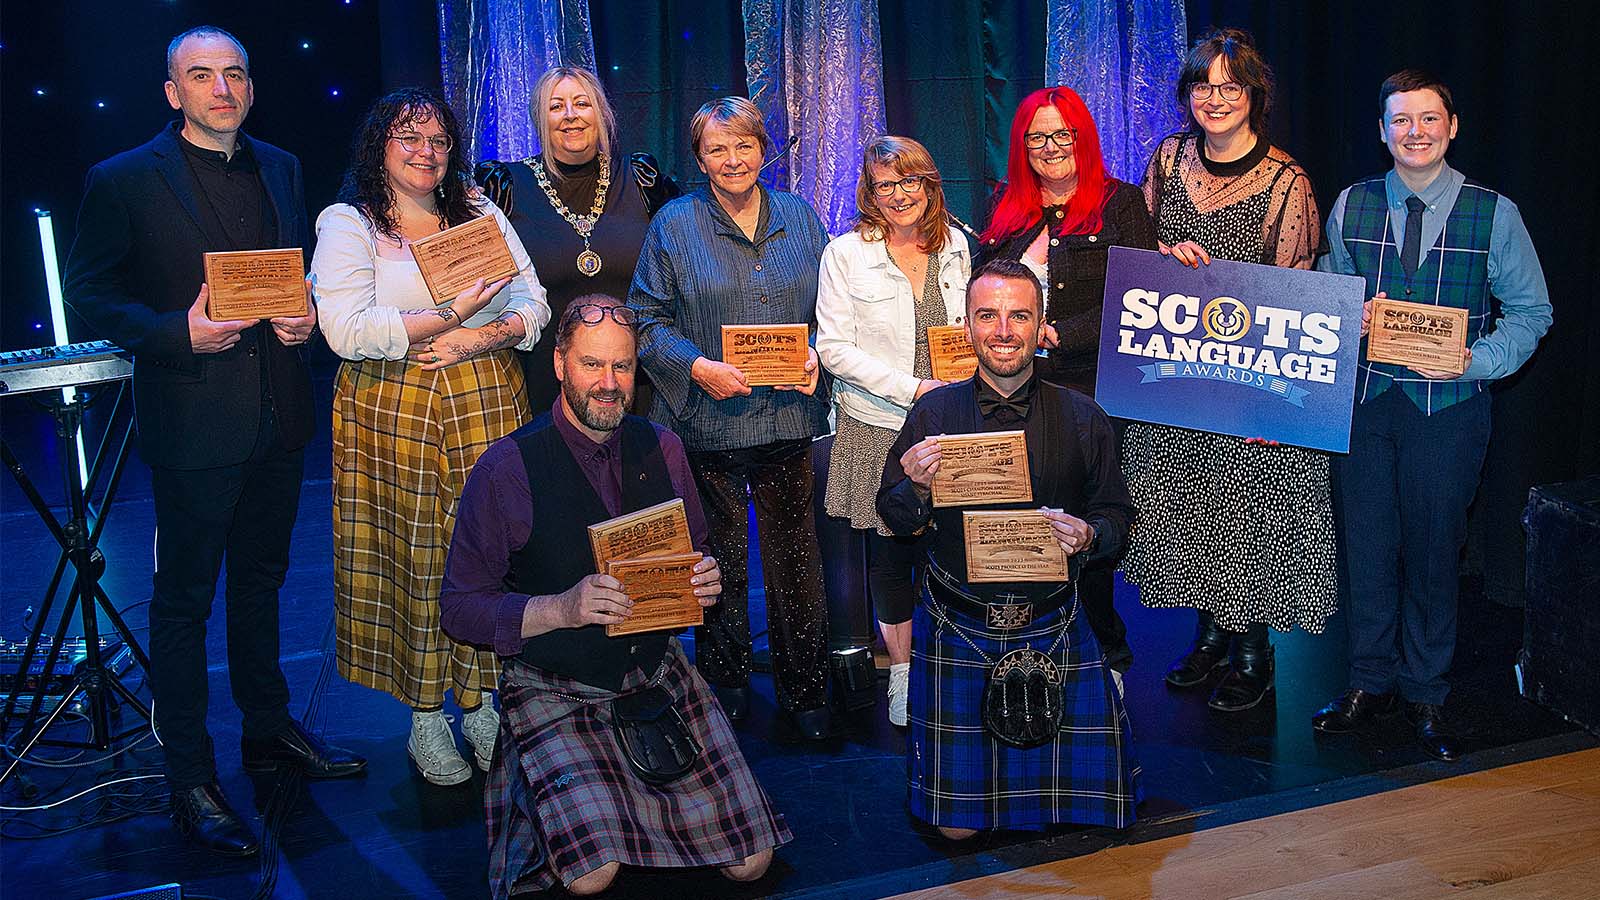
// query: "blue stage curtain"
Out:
[815,68]
[1123,57]
[493,51]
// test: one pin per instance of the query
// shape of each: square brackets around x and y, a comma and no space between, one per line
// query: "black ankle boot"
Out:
[1249,678]
[1208,653]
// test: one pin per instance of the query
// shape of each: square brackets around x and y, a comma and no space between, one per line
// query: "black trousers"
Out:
[896,568]
[778,478]
[245,514]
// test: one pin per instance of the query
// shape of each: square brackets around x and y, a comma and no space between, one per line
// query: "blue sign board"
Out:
[1235,348]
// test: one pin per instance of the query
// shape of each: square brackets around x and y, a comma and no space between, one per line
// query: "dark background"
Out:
[1522,75]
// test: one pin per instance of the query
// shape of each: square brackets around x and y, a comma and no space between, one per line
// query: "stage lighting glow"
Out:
[58,314]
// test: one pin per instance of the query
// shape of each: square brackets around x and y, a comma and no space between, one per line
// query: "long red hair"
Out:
[1020,205]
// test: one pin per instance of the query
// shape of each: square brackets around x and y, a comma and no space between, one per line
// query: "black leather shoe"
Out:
[1434,735]
[814,723]
[1354,710]
[300,749]
[203,816]
[735,701]
[1249,678]
[1206,655]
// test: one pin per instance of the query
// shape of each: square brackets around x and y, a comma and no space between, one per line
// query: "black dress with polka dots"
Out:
[1244,532]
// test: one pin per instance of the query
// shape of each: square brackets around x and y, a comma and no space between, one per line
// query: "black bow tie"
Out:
[989,404]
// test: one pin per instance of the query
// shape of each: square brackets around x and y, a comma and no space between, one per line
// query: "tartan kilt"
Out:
[961,777]
[404,441]
[564,801]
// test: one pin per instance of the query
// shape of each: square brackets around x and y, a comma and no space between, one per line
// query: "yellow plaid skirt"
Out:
[404,441]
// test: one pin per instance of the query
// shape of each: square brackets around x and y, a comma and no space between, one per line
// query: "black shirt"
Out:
[232,195]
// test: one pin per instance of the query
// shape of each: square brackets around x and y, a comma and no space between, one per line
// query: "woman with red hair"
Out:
[1057,213]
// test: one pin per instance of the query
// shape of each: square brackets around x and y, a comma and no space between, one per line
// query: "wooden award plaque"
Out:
[456,257]
[661,593]
[1418,335]
[987,467]
[951,353]
[660,530]
[1012,545]
[768,354]
[256,284]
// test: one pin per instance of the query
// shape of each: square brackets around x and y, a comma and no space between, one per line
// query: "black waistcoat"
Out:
[557,554]
[1055,467]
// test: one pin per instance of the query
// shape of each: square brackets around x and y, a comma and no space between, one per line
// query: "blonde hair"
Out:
[539,109]
[903,156]
[736,114]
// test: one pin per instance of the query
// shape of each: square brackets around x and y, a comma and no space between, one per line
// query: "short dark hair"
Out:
[1414,80]
[1245,67]
[1009,270]
[203,31]
[571,319]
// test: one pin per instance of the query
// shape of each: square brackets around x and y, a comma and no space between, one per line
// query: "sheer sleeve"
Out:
[1293,226]
[1161,163]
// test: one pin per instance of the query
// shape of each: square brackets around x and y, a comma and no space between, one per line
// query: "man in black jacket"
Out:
[224,412]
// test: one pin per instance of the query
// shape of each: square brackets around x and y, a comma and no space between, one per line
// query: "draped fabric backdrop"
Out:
[492,51]
[815,68]
[1123,57]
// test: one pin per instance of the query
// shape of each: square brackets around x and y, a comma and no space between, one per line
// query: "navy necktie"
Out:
[1411,252]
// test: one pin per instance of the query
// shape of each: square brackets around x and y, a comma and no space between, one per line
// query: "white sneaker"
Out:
[481,727]
[899,685]
[433,749]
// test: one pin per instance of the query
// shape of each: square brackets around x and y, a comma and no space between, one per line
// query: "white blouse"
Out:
[362,282]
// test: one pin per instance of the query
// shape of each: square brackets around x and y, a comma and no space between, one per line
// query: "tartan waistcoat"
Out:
[1454,272]
[1055,468]
[557,554]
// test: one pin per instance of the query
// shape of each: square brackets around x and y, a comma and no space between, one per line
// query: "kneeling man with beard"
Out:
[564,803]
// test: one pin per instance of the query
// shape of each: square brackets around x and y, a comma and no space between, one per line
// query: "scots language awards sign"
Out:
[1234,348]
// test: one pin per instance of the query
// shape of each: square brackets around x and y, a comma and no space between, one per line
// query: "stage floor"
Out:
[392,834]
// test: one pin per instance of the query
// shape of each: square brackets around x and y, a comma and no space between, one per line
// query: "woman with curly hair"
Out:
[424,389]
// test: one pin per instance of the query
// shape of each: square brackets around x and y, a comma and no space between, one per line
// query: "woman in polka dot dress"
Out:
[1240,530]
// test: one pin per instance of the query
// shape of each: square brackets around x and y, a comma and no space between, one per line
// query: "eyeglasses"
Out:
[1201,90]
[911,184]
[413,143]
[594,314]
[1035,140]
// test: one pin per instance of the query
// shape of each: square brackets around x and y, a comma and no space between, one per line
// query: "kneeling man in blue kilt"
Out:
[1013,718]
[612,750]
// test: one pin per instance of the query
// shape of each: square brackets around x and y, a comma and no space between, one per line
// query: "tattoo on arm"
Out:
[494,336]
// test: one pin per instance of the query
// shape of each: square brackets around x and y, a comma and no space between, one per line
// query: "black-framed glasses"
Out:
[911,184]
[413,143]
[1231,91]
[1035,140]
[595,313]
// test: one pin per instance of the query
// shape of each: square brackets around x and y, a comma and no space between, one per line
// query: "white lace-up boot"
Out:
[481,727]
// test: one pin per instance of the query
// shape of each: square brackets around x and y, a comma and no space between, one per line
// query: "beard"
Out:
[597,418]
[1003,368]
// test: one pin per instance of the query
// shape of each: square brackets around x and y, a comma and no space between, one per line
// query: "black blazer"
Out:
[135,269]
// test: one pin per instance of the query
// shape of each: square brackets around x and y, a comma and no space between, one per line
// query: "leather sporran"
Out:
[653,735]
[1022,700]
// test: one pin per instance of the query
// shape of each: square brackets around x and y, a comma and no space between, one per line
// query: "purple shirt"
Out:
[495,520]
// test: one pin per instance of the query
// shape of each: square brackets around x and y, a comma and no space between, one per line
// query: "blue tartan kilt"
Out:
[564,802]
[961,777]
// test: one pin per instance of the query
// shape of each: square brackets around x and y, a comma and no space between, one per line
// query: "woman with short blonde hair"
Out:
[572,206]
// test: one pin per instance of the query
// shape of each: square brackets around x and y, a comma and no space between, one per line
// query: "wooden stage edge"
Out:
[1529,831]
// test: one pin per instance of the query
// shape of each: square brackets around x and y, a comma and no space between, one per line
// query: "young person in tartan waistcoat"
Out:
[1425,234]
[563,803]
[961,777]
